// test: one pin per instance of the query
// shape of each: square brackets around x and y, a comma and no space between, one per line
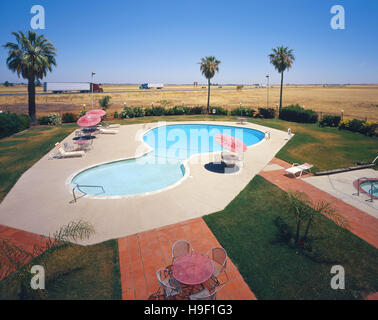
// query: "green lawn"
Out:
[326,148]
[275,271]
[75,273]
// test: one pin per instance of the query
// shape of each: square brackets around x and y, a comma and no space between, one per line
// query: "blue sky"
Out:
[162,41]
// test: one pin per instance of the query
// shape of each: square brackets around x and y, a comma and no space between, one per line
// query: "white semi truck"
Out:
[151,86]
[60,87]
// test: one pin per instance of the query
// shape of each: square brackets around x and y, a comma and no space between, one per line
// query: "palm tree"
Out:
[31,57]
[282,58]
[209,65]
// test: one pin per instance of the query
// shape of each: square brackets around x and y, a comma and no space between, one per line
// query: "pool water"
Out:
[163,166]
[368,187]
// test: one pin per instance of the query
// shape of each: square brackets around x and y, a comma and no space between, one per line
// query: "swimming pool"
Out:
[163,167]
[370,187]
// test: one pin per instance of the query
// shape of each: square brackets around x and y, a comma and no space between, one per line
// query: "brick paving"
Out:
[361,224]
[21,239]
[142,254]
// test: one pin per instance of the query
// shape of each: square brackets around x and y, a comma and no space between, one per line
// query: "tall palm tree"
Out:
[31,57]
[282,59]
[209,65]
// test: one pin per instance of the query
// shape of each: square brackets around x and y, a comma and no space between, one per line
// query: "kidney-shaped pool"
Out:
[162,167]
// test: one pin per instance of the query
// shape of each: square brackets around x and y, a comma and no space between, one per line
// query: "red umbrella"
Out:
[89,120]
[97,112]
[230,143]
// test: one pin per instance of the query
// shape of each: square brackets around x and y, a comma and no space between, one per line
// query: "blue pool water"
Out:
[163,166]
[369,187]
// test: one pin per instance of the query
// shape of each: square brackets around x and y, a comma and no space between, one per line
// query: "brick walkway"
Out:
[21,239]
[142,254]
[362,224]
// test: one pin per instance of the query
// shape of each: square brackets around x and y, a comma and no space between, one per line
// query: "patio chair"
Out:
[219,258]
[299,169]
[180,248]
[205,294]
[229,159]
[108,126]
[68,154]
[171,287]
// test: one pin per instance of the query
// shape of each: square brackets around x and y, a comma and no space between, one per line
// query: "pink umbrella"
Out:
[89,120]
[230,143]
[97,112]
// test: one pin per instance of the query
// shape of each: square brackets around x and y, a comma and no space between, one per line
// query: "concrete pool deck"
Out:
[40,200]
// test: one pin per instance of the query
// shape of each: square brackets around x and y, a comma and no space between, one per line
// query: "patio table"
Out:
[192,269]
[81,143]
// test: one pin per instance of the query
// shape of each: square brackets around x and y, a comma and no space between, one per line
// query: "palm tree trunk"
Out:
[298,230]
[31,98]
[281,91]
[307,229]
[208,97]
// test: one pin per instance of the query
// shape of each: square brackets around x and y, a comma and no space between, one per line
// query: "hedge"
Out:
[296,113]
[243,111]
[267,113]
[365,127]
[11,123]
[330,121]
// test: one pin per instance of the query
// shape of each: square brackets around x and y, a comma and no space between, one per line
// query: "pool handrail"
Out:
[77,186]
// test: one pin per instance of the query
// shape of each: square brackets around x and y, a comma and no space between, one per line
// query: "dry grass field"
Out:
[357,101]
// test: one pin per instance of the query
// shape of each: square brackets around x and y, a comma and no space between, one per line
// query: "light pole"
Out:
[92,74]
[342,115]
[267,94]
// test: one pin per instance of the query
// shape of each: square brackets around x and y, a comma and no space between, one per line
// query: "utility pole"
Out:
[92,74]
[267,86]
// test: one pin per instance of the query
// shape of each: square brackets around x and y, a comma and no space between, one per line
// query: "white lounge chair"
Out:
[297,170]
[108,126]
[108,131]
[68,154]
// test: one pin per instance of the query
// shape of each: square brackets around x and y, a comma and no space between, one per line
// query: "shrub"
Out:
[365,127]
[219,111]
[68,117]
[157,111]
[54,119]
[196,110]
[169,112]
[82,112]
[180,110]
[115,115]
[104,102]
[11,123]
[243,111]
[43,120]
[138,112]
[330,121]
[267,113]
[297,114]
[126,113]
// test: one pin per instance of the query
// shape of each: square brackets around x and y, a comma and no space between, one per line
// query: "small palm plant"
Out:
[209,65]
[105,102]
[14,258]
[282,58]
[306,211]
[31,56]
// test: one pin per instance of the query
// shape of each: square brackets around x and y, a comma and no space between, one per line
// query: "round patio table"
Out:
[192,269]
[81,143]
